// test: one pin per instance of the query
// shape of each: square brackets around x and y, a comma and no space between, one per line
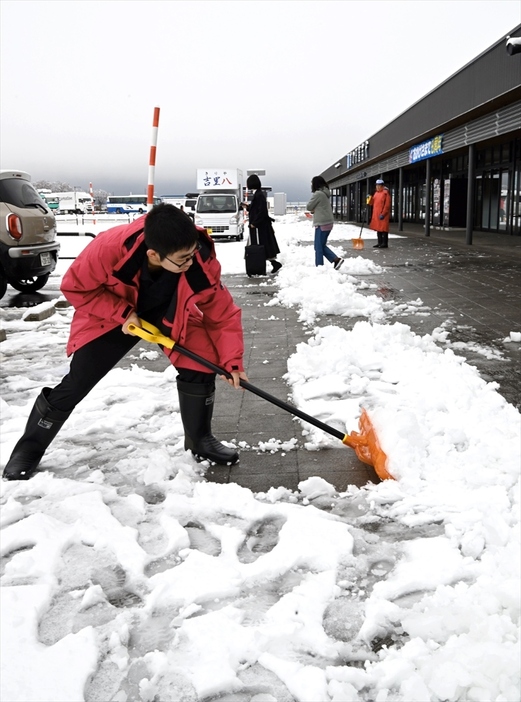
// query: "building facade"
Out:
[453,159]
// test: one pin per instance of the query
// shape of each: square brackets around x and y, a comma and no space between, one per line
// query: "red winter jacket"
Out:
[381,202]
[103,284]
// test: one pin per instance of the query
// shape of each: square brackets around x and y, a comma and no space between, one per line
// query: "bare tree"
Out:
[53,186]
[100,199]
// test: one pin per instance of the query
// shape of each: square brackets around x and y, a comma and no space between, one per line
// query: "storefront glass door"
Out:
[488,200]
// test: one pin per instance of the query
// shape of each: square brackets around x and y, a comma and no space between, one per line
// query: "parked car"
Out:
[28,245]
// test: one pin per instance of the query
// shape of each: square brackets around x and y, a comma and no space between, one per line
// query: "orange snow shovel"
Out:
[358,243]
[365,443]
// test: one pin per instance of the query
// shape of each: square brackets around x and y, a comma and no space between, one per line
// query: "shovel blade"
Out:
[367,448]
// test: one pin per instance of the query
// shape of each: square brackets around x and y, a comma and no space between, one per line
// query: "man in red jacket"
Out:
[381,203]
[160,268]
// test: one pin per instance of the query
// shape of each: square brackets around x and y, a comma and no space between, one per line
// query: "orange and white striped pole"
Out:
[152,161]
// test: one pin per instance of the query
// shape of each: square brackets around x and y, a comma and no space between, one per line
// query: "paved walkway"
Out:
[487,242]
[477,289]
[271,336]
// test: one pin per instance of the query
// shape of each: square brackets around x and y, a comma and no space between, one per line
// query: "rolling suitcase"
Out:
[255,257]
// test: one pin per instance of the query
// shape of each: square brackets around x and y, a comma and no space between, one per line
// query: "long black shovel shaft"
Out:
[292,410]
[363,222]
[261,393]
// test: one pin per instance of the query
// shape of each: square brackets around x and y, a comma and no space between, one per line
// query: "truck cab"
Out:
[190,203]
[219,205]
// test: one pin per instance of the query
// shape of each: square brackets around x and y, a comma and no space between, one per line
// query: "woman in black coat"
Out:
[260,223]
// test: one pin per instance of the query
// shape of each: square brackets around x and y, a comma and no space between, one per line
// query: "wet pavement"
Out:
[473,292]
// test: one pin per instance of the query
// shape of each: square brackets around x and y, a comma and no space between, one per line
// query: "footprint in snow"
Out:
[260,539]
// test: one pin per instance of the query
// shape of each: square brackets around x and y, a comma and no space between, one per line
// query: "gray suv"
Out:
[28,246]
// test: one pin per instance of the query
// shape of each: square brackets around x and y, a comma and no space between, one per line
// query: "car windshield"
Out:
[216,203]
[20,193]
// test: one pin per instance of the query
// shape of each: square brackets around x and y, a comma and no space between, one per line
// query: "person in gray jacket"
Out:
[320,207]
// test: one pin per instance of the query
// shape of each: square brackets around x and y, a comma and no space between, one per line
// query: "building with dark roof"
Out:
[455,154]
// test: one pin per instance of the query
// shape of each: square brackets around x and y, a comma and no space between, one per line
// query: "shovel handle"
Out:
[150,333]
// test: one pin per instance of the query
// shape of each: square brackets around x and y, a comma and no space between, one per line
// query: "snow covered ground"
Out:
[127,576]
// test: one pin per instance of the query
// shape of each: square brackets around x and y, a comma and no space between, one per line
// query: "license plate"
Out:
[45,259]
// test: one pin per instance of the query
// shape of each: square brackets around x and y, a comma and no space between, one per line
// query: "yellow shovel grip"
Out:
[150,333]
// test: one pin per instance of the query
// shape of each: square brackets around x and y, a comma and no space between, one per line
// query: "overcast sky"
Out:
[285,86]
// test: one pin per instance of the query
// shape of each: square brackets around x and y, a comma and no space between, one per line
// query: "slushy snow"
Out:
[127,576]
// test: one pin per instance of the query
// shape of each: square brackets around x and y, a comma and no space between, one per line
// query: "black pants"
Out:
[93,361]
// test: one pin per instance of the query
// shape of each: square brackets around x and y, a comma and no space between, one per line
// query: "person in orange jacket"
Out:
[381,204]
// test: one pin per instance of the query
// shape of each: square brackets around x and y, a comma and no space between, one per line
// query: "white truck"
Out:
[219,205]
[183,202]
[76,202]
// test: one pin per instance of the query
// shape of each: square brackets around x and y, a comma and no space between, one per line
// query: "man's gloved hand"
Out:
[381,217]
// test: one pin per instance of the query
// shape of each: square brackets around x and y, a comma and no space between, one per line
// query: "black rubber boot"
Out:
[275,265]
[196,407]
[42,426]
[380,241]
[385,240]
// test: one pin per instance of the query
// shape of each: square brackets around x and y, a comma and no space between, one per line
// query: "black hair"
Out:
[317,182]
[168,230]
[253,182]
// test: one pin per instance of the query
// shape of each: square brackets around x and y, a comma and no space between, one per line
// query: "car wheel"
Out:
[3,285]
[29,284]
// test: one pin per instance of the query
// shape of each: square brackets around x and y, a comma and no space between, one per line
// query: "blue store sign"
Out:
[427,149]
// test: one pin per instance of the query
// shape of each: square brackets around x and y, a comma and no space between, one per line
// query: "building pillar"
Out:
[428,198]
[400,199]
[470,192]
[366,206]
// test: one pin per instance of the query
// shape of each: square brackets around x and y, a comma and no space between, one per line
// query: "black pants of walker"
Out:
[93,361]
